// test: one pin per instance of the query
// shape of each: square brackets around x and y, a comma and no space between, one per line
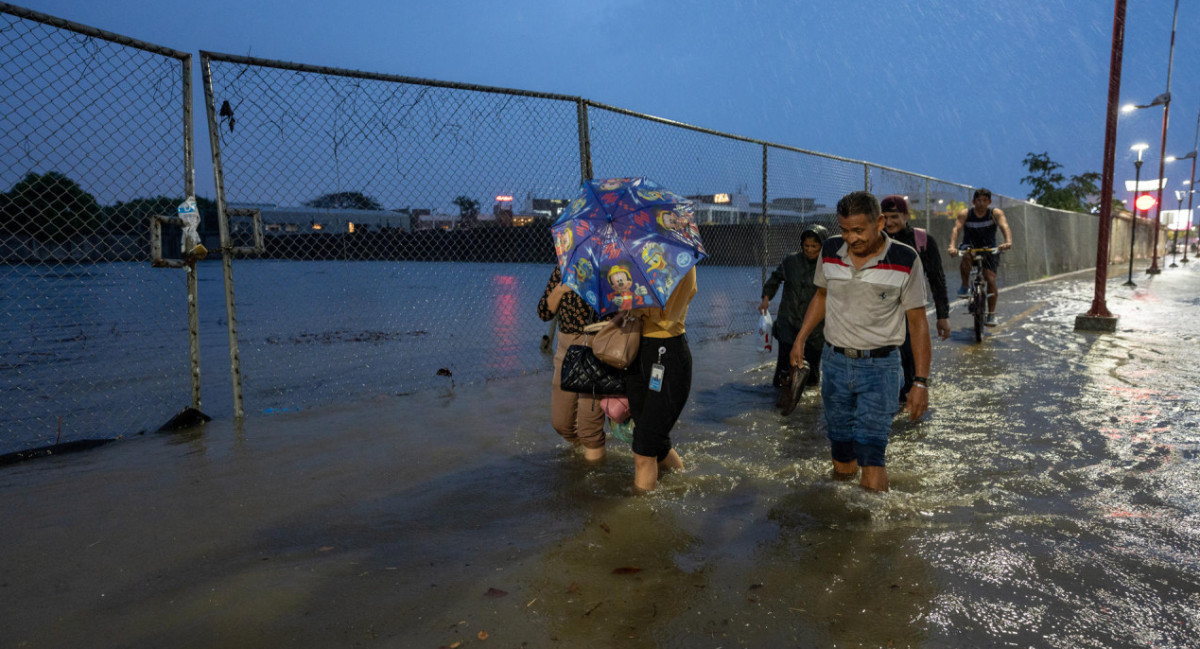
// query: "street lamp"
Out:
[1163,100]
[1137,182]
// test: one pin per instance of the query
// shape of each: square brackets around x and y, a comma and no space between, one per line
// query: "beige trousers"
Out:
[577,417]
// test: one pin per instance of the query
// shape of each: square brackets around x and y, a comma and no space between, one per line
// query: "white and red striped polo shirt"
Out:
[865,307]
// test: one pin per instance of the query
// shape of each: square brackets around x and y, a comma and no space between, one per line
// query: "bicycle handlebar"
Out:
[993,250]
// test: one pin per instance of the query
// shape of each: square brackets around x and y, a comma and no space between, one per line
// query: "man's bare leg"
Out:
[594,455]
[993,290]
[874,478]
[845,470]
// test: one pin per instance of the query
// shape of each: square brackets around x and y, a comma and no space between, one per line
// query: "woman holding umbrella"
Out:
[658,384]
[637,245]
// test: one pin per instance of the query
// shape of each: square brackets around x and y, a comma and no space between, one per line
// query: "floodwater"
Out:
[1051,498]
[101,351]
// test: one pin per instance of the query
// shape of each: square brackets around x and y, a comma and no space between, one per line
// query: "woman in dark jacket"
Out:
[796,273]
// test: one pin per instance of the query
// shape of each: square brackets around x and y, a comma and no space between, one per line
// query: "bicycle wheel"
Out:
[979,303]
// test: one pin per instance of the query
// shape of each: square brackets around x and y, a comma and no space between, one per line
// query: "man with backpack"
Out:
[895,223]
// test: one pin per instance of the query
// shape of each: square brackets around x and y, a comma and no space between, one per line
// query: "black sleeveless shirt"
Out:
[980,231]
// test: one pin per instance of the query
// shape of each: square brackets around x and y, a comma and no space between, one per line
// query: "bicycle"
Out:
[977,295]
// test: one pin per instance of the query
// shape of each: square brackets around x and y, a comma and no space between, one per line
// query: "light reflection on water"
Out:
[506,326]
[1049,500]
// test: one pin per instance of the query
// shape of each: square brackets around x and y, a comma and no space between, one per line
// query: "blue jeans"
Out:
[860,401]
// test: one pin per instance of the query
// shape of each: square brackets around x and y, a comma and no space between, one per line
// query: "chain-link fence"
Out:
[94,139]
[405,220]
[390,233]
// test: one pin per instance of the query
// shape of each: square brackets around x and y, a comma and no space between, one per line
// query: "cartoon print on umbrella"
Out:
[624,243]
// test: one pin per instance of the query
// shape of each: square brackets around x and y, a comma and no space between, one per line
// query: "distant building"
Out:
[725,209]
[314,219]
[549,208]
[736,208]
[503,212]
[431,221]
[940,202]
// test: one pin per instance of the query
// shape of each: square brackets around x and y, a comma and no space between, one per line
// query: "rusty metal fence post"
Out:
[585,141]
[235,365]
[766,219]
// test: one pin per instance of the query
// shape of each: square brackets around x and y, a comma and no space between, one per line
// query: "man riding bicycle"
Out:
[978,225]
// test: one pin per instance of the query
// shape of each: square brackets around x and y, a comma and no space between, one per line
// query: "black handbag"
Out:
[583,372]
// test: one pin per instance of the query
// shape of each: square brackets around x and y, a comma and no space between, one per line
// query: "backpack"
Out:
[921,238]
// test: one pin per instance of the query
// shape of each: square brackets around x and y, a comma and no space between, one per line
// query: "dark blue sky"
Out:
[957,89]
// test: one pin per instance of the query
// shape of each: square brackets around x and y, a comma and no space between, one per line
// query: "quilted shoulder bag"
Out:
[617,341]
[583,372]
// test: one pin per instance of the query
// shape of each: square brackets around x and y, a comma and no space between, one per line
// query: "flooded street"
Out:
[1051,498]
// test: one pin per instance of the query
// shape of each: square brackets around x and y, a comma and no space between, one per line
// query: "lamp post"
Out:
[1137,165]
[1175,231]
[1163,100]
[1187,232]
[1162,151]
[1179,196]
[1191,183]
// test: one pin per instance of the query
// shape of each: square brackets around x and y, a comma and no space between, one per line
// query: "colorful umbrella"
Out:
[624,243]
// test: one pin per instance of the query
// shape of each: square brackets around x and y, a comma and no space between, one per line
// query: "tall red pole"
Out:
[1099,306]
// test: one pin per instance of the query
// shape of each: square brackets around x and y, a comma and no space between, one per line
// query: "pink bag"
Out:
[616,407]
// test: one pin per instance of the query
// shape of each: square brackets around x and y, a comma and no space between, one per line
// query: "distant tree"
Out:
[954,207]
[49,207]
[131,217]
[208,214]
[345,201]
[468,211]
[1048,188]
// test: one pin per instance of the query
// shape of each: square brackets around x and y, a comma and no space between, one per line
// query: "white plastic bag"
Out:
[764,332]
[191,219]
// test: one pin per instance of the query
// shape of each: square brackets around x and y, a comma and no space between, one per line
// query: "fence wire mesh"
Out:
[379,275]
[803,190]
[406,228]
[723,176]
[92,142]
[397,229]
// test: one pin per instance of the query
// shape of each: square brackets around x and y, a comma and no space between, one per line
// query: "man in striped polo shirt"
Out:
[869,287]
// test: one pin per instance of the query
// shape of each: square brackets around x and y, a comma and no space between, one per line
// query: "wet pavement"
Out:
[1051,498]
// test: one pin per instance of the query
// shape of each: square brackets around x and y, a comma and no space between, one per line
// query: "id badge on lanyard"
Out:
[657,371]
